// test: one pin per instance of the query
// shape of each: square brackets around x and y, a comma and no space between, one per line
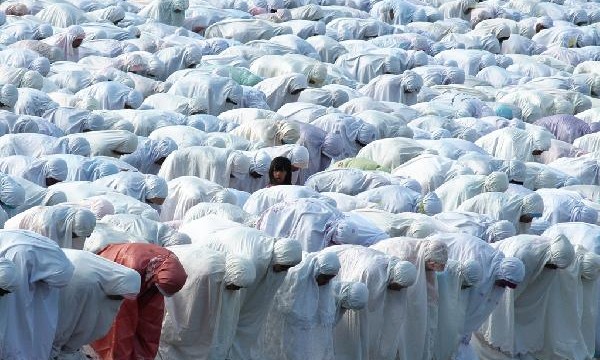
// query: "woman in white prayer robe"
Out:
[516,326]
[257,178]
[247,309]
[12,193]
[187,191]
[190,326]
[463,187]
[9,283]
[417,332]
[283,89]
[356,133]
[82,168]
[206,162]
[170,12]
[572,318]
[263,199]
[150,189]
[586,236]
[109,95]
[399,198]
[519,210]
[453,289]
[478,225]
[31,312]
[225,211]
[113,143]
[393,152]
[32,195]
[368,333]
[150,155]
[499,272]
[183,135]
[68,41]
[219,93]
[415,225]
[39,171]
[431,171]
[511,143]
[270,132]
[153,232]
[98,285]
[315,223]
[566,206]
[347,181]
[297,154]
[62,223]
[322,146]
[301,319]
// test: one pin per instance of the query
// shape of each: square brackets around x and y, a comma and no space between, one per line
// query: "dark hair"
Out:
[281,163]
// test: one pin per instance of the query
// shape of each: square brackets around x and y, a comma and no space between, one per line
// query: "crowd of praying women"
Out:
[299,180]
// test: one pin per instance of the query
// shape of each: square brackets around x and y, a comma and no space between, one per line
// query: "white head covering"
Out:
[511,269]
[156,187]
[299,156]
[287,252]
[561,252]
[8,275]
[500,230]
[239,164]
[471,272]
[238,271]
[84,222]
[430,204]
[56,168]
[352,295]
[8,95]
[78,146]
[590,266]
[327,263]
[260,162]
[11,193]
[436,251]
[134,99]
[403,273]
[532,204]
[496,181]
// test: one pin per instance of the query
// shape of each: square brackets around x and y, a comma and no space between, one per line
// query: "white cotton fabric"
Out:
[263,199]
[481,299]
[222,210]
[111,143]
[61,223]
[195,307]
[43,269]
[206,162]
[302,313]
[152,231]
[35,170]
[137,185]
[463,187]
[313,222]
[478,225]
[252,303]
[8,275]
[417,333]
[94,278]
[367,333]
[187,191]
[510,327]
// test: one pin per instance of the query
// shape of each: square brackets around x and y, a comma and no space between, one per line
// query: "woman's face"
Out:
[77,42]
[279,176]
